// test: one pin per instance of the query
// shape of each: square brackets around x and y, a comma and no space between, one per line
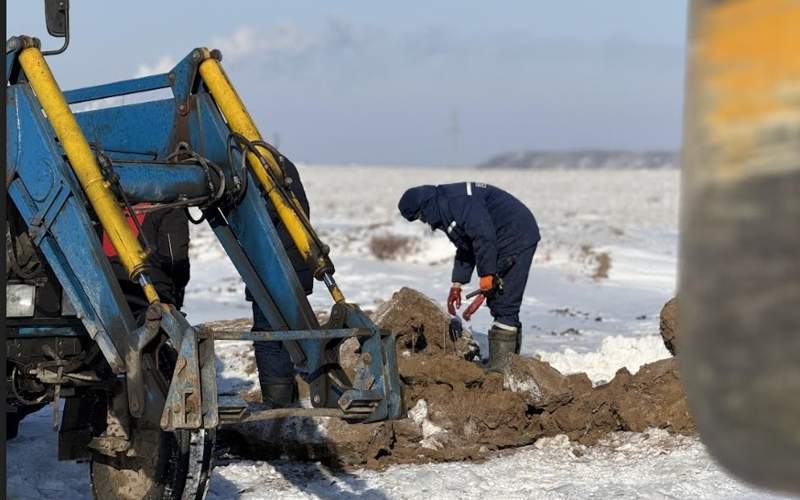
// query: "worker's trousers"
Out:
[272,358]
[515,268]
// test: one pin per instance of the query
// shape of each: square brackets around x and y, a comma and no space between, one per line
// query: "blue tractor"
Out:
[139,397]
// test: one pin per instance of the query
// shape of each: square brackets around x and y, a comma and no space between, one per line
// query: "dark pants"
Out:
[272,357]
[505,306]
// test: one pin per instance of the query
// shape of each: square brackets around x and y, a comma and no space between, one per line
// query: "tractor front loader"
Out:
[139,395]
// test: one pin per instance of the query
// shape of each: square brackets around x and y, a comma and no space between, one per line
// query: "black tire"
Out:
[167,465]
[163,468]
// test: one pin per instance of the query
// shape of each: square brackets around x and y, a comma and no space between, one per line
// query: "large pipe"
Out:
[239,121]
[161,183]
[740,236]
[84,164]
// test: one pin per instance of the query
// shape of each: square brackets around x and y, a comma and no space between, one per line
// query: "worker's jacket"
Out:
[487,225]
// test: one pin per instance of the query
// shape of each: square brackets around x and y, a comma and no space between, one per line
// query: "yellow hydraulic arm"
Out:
[267,171]
[84,164]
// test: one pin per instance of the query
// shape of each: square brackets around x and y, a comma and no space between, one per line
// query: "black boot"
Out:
[502,343]
[278,392]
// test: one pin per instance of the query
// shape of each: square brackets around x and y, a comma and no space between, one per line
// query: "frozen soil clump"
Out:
[457,411]
[422,327]
[669,325]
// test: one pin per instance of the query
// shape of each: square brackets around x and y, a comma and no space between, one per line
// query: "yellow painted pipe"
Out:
[739,277]
[745,63]
[239,121]
[84,164]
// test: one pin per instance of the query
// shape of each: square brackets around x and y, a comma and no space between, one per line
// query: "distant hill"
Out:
[584,159]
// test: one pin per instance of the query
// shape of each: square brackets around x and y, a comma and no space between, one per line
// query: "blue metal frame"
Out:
[45,192]
[117,89]
[50,200]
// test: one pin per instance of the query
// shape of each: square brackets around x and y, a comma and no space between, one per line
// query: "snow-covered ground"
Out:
[572,317]
[629,215]
[626,465]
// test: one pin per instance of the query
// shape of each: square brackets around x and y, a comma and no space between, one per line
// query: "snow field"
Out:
[572,320]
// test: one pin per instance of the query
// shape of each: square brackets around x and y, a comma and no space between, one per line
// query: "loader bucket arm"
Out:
[251,241]
[266,170]
[52,196]
[239,217]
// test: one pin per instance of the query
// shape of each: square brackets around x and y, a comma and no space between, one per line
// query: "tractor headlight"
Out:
[20,300]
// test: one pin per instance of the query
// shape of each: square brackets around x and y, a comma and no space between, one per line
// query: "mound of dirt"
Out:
[669,325]
[652,397]
[457,411]
[421,326]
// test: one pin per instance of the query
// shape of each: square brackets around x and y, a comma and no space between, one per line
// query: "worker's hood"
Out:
[419,203]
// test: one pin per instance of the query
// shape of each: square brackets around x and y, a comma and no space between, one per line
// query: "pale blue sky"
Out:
[380,82]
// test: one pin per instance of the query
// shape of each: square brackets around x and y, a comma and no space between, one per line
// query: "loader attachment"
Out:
[374,394]
[151,375]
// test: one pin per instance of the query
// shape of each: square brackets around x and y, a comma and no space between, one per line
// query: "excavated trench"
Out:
[456,411]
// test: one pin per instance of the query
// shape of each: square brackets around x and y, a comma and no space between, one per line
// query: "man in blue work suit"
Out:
[492,231]
[276,372]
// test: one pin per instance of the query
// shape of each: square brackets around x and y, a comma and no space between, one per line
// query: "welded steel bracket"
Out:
[142,336]
[192,397]
[376,393]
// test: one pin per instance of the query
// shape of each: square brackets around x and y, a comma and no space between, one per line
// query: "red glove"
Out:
[470,310]
[454,300]
[486,285]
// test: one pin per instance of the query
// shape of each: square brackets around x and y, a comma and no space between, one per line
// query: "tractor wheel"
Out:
[168,465]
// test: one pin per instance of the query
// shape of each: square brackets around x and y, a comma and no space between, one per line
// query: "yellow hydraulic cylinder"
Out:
[239,121]
[84,164]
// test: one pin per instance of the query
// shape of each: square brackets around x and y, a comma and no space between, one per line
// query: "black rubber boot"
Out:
[278,392]
[502,343]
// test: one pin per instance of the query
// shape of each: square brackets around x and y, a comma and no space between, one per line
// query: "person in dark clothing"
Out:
[275,368]
[167,233]
[493,231]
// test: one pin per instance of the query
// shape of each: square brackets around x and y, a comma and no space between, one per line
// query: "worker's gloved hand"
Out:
[487,287]
[470,310]
[454,299]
